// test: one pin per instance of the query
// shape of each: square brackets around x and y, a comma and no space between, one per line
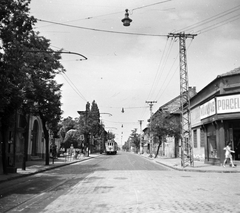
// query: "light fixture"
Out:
[126,21]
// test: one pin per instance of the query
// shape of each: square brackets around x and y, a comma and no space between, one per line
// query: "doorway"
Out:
[34,140]
[236,143]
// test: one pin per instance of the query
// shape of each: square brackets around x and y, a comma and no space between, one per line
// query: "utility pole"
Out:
[141,144]
[151,135]
[186,132]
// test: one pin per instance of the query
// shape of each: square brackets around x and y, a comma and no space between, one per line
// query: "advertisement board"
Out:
[228,104]
[207,109]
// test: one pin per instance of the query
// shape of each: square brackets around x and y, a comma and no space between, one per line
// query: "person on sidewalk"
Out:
[228,154]
[53,150]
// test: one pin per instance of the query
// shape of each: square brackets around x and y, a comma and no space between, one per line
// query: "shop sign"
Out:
[228,104]
[207,109]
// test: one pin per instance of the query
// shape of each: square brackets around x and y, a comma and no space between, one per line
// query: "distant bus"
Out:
[111,147]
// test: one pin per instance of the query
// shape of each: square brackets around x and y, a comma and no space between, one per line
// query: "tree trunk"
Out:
[25,143]
[4,142]
[46,136]
[160,142]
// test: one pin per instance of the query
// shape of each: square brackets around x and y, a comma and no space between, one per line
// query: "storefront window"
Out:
[212,147]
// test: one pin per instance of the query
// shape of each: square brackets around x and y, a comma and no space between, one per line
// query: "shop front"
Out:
[220,118]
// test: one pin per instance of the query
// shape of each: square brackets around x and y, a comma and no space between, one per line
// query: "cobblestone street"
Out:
[122,183]
[151,191]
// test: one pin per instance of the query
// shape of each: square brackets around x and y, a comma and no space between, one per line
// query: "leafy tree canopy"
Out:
[15,28]
[89,121]
[163,124]
[135,139]
[28,67]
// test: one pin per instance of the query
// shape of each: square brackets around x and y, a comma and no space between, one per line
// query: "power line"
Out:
[166,59]
[92,17]
[159,65]
[163,65]
[71,84]
[214,26]
[211,19]
[170,79]
[99,30]
[149,5]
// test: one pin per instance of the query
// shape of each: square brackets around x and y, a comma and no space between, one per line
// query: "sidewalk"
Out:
[34,167]
[199,166]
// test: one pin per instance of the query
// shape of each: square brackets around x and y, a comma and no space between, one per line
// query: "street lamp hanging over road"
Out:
[126,20]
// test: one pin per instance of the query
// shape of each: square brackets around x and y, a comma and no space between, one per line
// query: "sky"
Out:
[128,66]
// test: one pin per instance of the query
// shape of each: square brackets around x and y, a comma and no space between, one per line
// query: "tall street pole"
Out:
[186,130]
[151,135]
[141,144]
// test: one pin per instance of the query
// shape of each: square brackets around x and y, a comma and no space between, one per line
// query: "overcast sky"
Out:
[125,70]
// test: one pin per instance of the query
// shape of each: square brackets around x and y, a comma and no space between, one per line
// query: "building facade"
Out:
[215,117]
[215,120]
[25,138]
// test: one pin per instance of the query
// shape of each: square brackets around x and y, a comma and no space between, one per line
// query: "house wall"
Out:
[198,149]
[218,127]
[169,147]
[36,145]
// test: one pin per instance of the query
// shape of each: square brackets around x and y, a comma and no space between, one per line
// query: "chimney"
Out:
[192,91]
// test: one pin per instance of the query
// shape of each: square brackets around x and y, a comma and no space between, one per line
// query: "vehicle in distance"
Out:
[111,147]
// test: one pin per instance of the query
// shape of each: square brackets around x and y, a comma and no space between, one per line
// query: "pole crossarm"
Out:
[178,35]
[186,131]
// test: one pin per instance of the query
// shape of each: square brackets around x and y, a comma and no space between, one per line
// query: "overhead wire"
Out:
[171,78]
[214,26]
[211,19]
[159,65]
[100,30]
[72,85]
[163,63]
[92,17]
[167,57]
[149,5]
[206,29]
[162,89]
[164,57]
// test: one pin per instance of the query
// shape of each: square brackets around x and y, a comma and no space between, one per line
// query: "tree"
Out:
[162,125]
[72,137]
[89,123]
[49,110]
[15,27]
[42,66]
[135,139]
[94,119]
[127,145]
[28,68]
[110,135]
[66,125]
[69,123]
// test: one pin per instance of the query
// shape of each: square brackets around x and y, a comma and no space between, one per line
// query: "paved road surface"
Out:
[121,183]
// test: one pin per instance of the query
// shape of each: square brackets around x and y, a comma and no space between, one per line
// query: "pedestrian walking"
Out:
[71,150]
[53,150]
[228,154]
